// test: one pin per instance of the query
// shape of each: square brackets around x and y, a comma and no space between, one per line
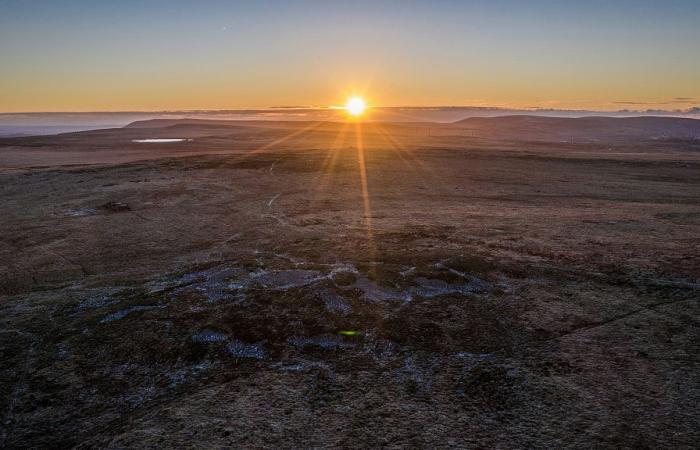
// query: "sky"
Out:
[153,55]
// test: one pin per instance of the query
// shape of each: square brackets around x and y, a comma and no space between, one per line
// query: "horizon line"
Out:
[282,108]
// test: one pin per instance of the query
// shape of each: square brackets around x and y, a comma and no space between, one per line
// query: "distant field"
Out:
[314,284]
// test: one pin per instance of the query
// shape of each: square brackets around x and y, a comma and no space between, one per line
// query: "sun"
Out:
[355,106]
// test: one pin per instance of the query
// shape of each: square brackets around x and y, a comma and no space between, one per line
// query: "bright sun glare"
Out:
[355,106]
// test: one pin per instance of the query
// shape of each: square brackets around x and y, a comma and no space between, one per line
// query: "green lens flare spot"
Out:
[349,332]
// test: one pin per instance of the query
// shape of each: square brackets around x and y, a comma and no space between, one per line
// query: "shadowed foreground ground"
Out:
[458,291]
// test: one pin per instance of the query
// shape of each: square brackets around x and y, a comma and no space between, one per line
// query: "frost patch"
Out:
[287,279]
[97,302]
[209,336]
[428,287]
[334,302]
[79,212]
[240,349]
[214,284]
[125,312]
[475,356]
[326,342]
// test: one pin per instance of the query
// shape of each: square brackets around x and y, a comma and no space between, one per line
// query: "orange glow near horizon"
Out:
[102,57]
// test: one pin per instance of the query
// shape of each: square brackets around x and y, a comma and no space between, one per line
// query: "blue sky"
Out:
[80,55]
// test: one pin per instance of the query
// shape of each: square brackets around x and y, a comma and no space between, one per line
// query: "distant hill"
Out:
[583,129]
[163,123]
[226,125]
[192,127]
[514,127]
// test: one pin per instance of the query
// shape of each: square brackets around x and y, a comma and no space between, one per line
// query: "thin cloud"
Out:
[668,102]
[637,103]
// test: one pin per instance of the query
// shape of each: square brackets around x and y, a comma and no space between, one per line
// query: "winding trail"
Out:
[272,166]
[272,200]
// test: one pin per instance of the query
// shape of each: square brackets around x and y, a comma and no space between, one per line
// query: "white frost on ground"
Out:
[160,141]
